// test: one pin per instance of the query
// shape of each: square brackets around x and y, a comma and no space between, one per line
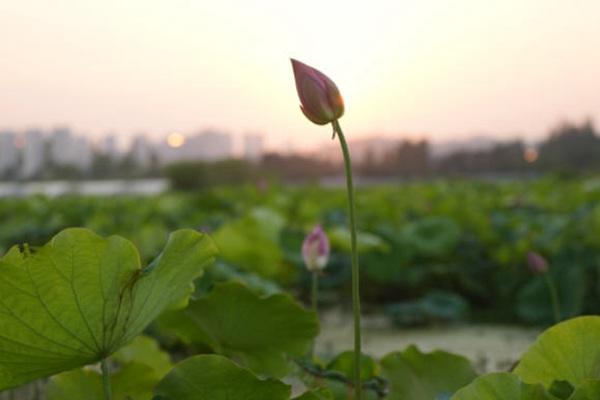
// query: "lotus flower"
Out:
[537,263]
[320,98]
[315,249]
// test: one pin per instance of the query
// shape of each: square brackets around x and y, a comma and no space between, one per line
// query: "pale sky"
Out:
[445,69]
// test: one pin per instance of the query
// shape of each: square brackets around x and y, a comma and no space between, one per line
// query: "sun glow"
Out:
[530,155]
[175,140]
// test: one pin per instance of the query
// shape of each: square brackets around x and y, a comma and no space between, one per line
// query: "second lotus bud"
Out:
[315,250]
[537,263]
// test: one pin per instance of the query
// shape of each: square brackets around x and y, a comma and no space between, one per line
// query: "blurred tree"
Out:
[297,167]
[194,175]
[571,147]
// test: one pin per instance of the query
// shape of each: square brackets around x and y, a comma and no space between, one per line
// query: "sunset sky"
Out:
[442,69]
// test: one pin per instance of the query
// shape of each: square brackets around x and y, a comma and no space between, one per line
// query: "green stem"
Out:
[315,292]
[106,380]
[554,296]
[354,258]
[315,302]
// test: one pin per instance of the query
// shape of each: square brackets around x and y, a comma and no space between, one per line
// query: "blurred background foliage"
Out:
[431,252]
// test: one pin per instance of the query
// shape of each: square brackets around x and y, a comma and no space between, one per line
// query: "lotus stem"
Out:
[314,302]
[315,292]
[554,297]
[106,379]
[354,260]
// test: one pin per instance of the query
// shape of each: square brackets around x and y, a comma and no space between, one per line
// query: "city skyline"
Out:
[439,69]
[25,154]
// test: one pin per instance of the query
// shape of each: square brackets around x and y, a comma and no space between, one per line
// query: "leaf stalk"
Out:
[106,379]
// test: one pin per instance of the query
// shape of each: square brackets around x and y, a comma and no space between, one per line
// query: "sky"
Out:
[441,69]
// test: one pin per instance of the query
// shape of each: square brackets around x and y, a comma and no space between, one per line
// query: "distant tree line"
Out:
[569,148]
[191,175]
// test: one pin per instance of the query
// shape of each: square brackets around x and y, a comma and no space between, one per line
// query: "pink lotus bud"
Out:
[315,249]
[537,263]
[320,98]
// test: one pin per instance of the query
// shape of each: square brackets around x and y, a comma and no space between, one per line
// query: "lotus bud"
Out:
[320,99]
[537,263]
[315,249]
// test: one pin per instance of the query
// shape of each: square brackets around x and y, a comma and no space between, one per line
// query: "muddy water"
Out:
[489,347]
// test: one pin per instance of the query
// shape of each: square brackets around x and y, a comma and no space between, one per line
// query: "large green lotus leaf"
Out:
[142,364]
[433,236]
[534,303]
[587,391]
[414,375]
[318,394]
[77,384]
[145,350]
[252,242]
[366,242]
[259,332]
[81,297]
[344,364]
[501,386]
[132,381]
[344,391]
[567,351]
[214,377]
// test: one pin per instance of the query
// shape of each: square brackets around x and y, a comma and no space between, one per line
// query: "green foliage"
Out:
[534,297]
[213,377]
[414,375]
[568,351]
[465,237]
[432,237]
[145,350]
[222,272]
[319,394]
[501,386]
[141,366]
[589,390]
[340,238]
[344,364]
[252,242]
[81,297]
[259,332]
[77,384]
[132,381]
[561,389]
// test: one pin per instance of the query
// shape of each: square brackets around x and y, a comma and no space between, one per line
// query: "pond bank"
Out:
[489,347]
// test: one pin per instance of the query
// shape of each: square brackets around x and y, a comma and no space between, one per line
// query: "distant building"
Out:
[61,147]
[141,151]
[69,150]
[9,156]
[33,153]
[373,149]
[82,157]
[108,146]
[253,147]
[207,145]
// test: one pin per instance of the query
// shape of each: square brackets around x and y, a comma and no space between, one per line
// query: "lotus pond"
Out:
[182,293]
